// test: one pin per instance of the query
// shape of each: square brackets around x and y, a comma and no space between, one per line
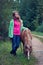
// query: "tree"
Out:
[6,8]
[29,12]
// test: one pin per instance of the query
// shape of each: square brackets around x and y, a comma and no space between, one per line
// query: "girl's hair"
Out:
[13,14]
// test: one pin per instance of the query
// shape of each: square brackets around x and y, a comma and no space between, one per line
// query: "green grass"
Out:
[37,33]
[7,59]
[41,39]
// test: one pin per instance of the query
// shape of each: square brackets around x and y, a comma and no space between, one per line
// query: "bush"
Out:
[40,28]
[3,30]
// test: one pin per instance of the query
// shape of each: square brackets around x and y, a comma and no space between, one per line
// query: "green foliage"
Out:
[6,8]
[40,28]
[31,12]
[28,13]
[37,33]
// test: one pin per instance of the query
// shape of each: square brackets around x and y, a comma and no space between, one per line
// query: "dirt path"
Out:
[38,50]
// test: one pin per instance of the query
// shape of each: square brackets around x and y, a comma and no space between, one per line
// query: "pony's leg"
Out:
[23,49]
[30,50]
[28,55]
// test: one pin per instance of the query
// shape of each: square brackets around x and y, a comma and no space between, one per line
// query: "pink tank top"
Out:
[16,29]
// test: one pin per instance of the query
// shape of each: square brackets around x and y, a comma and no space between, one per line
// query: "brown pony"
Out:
[26,38]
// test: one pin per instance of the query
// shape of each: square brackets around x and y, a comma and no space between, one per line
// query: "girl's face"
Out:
[17,15]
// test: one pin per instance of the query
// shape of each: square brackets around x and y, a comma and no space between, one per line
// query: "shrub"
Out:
[40,28]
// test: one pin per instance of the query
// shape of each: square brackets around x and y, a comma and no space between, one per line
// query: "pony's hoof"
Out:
[28,58]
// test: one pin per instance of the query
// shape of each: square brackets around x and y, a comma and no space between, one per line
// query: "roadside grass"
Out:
[37,33]
[7,59]
[41,39]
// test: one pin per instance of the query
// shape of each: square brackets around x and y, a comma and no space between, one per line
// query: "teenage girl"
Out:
[14,31]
